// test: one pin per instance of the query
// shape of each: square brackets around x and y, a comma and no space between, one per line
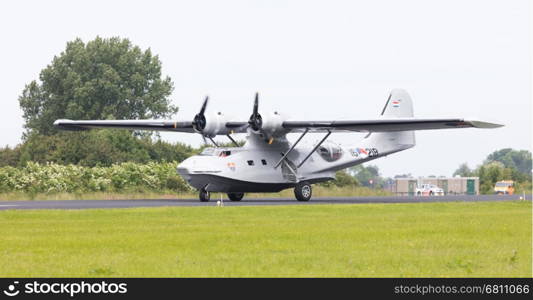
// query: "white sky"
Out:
[310,59]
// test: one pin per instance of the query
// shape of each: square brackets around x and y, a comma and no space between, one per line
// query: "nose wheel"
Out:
[204,195]
[303,191]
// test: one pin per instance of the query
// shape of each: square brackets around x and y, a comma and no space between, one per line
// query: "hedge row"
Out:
[55,178]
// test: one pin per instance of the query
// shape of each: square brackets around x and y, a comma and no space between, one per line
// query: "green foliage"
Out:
[494,171]
[342,179]
[9,156]
[463,171]
[53,178]
[367,174]
[504,164]
[103,79]
[516,159]
[358,176]
[93,148]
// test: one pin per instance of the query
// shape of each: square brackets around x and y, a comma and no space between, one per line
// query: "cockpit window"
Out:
[208,152]
[215,152]
[224,153]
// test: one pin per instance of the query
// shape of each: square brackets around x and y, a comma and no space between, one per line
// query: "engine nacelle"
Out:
[271,126]
[215,124]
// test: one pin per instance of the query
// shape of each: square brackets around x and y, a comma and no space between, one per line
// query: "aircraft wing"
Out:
[385,125]
[378,125]
[156,125]
[126,124]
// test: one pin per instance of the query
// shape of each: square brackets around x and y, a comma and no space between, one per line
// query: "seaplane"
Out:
[268,162]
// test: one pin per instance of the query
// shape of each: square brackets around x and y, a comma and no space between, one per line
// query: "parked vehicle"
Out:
[504,187]
[429,190]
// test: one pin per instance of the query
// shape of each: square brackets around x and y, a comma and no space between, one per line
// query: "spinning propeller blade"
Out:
[199,121]
[256,121]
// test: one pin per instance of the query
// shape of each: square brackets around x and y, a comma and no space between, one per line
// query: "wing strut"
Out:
[213,141]
[292,148]
[314,149]
[232,140]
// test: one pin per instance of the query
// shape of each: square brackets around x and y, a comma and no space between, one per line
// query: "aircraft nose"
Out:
[184,168]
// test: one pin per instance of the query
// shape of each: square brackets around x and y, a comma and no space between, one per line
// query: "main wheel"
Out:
[303,191]
[204,195]
[235,196]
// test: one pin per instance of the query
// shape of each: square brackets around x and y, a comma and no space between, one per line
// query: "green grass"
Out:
[318,191]
[378,240]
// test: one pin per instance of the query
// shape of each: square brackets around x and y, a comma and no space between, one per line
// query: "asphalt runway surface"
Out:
[86,204]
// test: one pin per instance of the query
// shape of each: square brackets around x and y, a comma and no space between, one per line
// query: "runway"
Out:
[88,204]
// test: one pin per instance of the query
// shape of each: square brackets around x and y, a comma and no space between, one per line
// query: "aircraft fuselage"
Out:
[251,168]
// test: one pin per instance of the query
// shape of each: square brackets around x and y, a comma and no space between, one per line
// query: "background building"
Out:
[451,186]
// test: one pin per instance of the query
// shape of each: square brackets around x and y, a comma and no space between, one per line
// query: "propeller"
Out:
[199,122]
[256,121]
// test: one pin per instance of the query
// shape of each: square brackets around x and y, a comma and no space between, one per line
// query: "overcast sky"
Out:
[310,59]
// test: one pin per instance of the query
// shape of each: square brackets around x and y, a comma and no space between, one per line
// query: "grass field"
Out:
[377,240]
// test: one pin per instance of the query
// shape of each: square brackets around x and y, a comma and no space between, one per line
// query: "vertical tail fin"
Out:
[399,105]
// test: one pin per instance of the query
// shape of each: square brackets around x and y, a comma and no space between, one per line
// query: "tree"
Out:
[99,148]
[342,178]
[105,78]
[365,175]
[504,164]
[518,159]
[463,171]
[9,157]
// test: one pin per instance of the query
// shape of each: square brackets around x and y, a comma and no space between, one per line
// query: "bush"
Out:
[342,179]
[54,178]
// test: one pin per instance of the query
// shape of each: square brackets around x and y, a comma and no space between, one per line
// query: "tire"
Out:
[204,195]
[431,193]
[303,191]
[419,193]
[235,196]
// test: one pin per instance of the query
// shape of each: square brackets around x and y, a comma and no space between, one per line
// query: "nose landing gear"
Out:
[204,195]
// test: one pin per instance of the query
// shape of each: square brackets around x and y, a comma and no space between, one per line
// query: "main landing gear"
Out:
[235,196]
[303,191]
[206,195]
